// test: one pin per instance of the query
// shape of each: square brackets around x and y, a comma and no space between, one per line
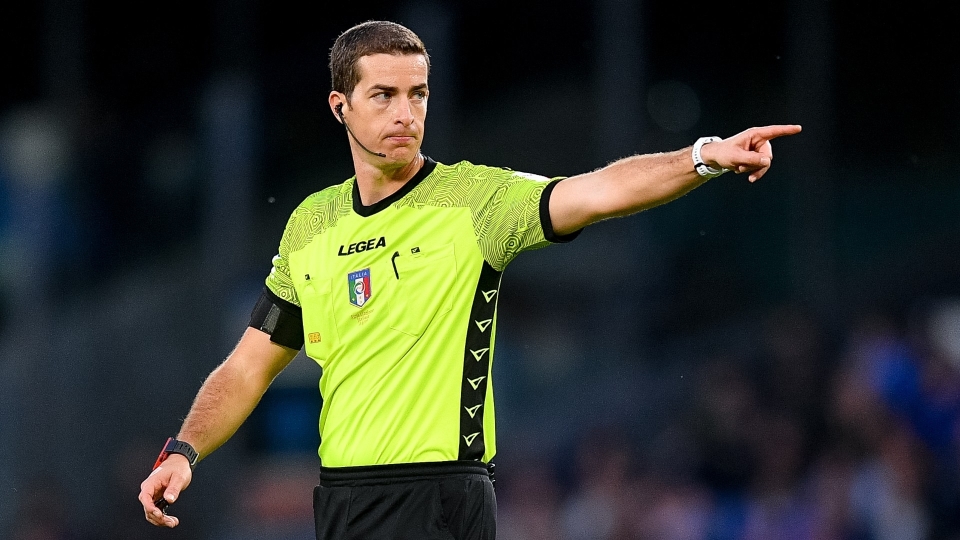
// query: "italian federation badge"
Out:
[359,283]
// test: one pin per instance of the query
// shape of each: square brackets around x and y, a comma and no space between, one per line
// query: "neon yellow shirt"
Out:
[399,303]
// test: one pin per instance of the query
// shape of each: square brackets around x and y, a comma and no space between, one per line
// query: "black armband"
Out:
[280,319]
[546,223]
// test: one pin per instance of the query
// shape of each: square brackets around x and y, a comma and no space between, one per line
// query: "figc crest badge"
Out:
[359,283]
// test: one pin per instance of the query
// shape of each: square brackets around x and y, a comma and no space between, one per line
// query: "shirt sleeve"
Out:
[516,217]
[279,281]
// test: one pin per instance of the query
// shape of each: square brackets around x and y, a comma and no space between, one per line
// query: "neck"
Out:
[377,183]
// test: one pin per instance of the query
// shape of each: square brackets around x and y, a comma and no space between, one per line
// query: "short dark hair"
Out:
[371,37]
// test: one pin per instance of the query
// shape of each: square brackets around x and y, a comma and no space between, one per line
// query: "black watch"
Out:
[173,446]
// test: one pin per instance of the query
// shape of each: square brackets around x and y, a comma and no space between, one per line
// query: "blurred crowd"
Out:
[853,437]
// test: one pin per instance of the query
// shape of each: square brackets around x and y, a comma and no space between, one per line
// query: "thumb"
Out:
[171,493]
[176,485]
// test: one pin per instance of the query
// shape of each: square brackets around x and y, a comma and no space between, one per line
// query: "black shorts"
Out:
[451,500]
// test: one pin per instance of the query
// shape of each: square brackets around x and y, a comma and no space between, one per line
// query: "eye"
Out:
[420,95]
[381,96]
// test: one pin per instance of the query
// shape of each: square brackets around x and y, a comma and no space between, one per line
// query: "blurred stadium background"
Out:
[779,360]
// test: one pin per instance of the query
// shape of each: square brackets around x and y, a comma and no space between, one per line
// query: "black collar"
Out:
[367,211]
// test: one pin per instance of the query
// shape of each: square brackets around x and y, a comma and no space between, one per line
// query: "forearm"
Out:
[232,391]
[224,401]
[637,183]
[622,188]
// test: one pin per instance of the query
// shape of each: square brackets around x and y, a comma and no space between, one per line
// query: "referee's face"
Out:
[388,106]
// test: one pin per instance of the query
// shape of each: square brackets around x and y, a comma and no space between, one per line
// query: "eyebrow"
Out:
[394,89]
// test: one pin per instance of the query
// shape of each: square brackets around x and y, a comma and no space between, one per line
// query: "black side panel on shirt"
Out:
[280,319]
[476,363]
[546,223]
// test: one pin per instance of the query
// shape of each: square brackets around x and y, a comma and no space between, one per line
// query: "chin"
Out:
[403,155]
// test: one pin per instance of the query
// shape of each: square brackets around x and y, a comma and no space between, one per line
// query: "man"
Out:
[390,281]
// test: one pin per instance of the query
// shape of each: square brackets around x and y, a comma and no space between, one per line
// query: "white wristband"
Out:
[702,168]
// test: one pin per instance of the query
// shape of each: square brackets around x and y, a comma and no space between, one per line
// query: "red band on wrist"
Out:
[163,454]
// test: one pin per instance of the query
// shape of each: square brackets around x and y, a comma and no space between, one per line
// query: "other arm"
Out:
[226,398]
[640,182]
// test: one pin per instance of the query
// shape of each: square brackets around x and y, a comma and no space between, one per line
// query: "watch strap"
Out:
[702,168]
[174,446]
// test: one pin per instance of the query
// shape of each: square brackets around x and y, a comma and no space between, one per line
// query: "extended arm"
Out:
[640,182]
[224,401]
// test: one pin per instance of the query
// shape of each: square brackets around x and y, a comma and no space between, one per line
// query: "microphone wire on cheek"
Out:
[344,122]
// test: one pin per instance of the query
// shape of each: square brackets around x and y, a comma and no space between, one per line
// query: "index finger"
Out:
[772,132]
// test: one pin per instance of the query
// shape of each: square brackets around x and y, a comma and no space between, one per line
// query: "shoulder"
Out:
[327,197]
[328,201]
[465,172]
[318,212]
[469,169]
[478,186]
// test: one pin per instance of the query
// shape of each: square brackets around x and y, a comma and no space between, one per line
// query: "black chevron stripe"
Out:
[476,364]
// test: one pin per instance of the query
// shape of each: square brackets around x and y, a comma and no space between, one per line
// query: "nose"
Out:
[404,113]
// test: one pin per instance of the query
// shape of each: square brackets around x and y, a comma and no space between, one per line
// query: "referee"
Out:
[390,282]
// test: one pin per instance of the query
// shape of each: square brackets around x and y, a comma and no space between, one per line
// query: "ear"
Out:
[336,101]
